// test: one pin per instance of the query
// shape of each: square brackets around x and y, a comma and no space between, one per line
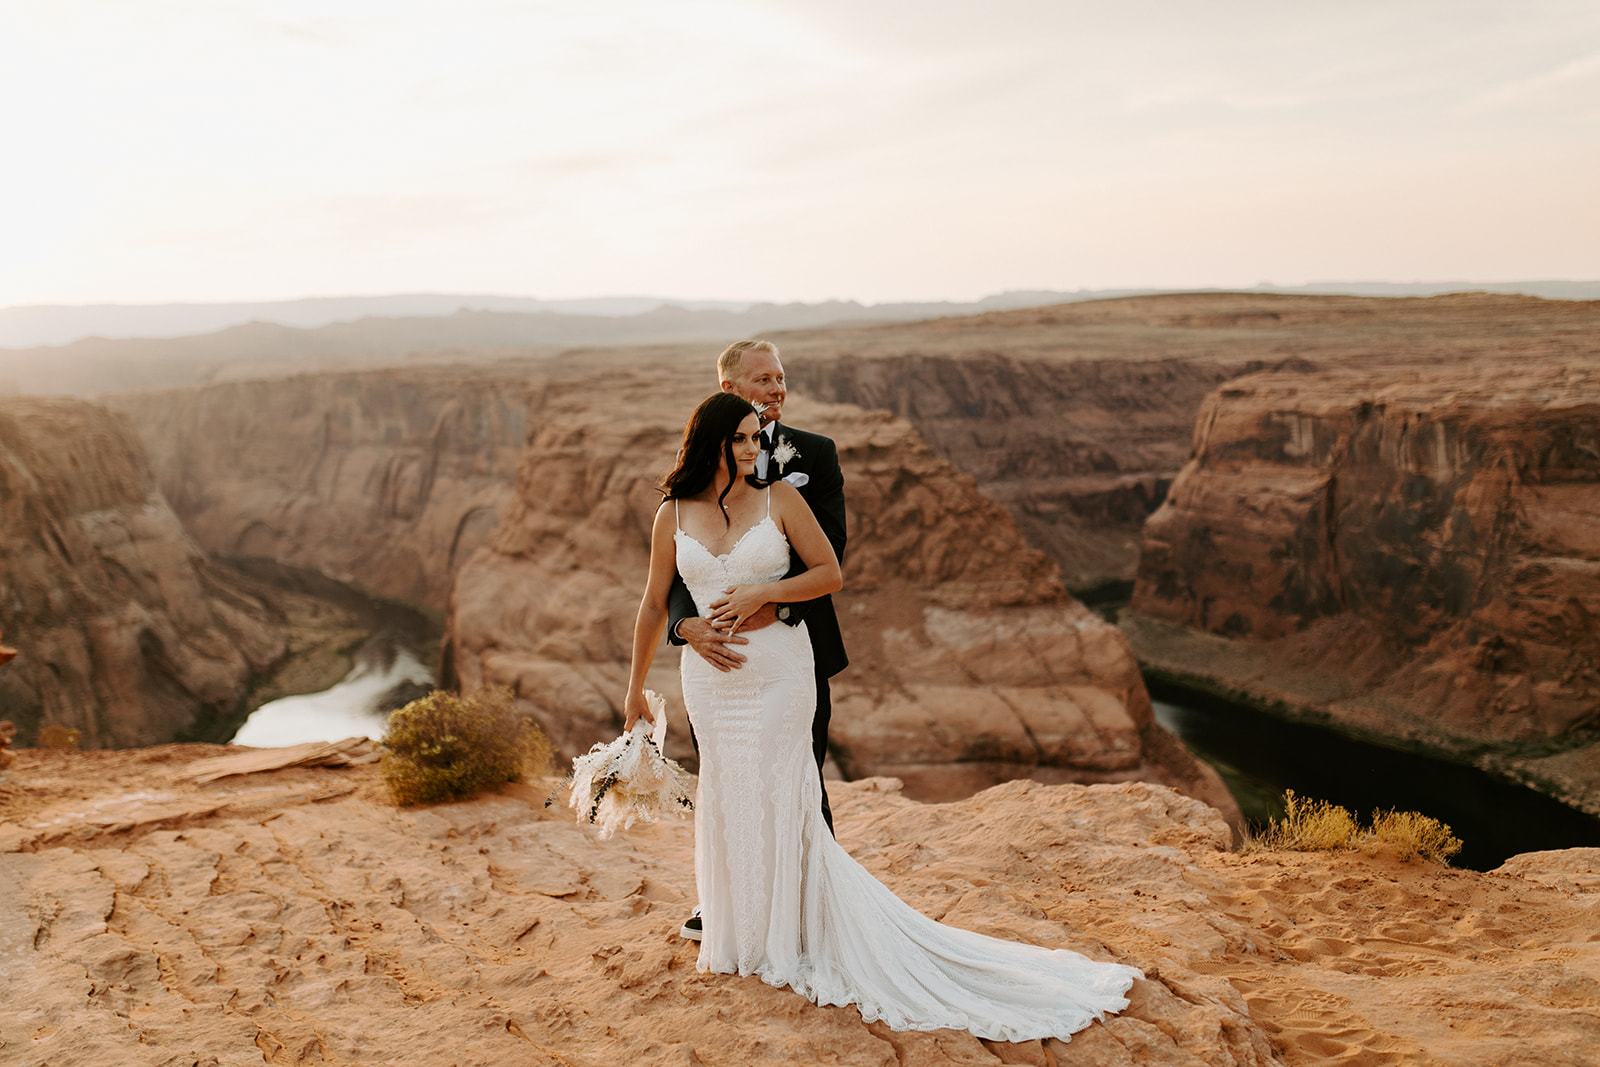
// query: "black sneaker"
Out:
[691,927]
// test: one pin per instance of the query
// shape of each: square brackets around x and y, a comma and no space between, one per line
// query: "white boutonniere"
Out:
[784,453]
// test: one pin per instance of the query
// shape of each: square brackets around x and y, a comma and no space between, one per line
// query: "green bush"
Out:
[444,747]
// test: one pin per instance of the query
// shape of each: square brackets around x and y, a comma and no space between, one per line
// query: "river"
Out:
[358,706]
[390,665]
[1259,756]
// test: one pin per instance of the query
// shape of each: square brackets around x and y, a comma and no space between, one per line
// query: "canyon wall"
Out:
[387,480]
[1079,452]
[970,663]
[1077,417]
[126,630]
[1416,557]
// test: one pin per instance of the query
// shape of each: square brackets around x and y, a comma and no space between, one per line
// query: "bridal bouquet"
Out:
[614,785]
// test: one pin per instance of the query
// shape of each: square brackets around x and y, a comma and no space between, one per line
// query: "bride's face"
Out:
[747,445]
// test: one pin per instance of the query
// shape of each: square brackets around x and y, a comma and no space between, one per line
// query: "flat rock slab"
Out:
[349,752]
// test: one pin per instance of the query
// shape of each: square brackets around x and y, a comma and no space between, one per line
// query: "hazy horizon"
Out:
[27,326]
[255,151]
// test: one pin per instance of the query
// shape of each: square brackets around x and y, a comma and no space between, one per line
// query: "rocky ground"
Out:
[296,917]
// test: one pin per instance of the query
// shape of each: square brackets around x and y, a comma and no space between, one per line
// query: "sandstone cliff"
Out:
[1077,417]
[127,632]
[1414,557]
[387,480]
[970,663]
[296,918]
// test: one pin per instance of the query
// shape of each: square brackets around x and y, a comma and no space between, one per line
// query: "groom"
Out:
[809,462]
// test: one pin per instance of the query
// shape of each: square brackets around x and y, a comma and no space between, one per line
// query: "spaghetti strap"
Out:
[677,520]
[769,501]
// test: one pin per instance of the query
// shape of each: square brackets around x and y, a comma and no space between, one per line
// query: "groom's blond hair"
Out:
[733,355]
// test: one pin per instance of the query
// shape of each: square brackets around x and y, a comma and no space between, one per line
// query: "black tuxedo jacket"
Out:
[817,458]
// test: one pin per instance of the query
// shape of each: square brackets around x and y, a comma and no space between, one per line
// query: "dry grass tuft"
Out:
[445,747]
[1414,834]
[1311,826]
[1316,826]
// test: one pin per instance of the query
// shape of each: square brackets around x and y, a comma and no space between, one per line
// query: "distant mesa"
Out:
[35,325]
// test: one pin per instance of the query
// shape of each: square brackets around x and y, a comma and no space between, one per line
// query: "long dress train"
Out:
[779,898]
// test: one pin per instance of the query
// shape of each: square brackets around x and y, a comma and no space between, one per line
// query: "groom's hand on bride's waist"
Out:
[715,646]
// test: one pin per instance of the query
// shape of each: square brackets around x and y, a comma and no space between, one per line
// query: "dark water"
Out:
[1260,756]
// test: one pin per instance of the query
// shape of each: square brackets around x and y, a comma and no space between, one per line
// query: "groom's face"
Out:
[759,379]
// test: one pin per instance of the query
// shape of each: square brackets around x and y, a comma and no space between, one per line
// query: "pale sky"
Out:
[167,150]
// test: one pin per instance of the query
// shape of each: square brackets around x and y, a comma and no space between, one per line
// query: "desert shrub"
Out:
[1415,834]
[57,736]
[1316,825]
[444,747]
[1311,826]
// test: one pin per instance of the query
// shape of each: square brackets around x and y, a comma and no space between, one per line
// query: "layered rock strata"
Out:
[970,662]
[1079,452]
[386,480]
[1415,557]
[126,630]
[1076,418]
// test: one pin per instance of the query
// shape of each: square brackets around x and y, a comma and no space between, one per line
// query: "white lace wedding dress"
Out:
[780,899]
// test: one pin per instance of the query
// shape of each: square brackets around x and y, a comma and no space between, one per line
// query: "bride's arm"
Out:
[652,617]
[821,576]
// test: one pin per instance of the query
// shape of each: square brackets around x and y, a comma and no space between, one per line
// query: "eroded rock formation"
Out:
[1076,418]
[387,480]
[1416,557]
[127,631]
[970,663]
[1079,452]
[973,664]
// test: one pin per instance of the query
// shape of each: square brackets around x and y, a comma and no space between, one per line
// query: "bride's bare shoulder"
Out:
[786,495]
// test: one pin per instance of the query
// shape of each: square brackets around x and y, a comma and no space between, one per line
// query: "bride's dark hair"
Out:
[707,446]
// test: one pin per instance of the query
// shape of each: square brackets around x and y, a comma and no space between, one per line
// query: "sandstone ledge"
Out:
[295,917]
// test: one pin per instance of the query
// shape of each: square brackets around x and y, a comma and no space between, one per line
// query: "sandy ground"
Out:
[297,917]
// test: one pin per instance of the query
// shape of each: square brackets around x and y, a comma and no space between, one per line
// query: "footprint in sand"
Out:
[1324,1028]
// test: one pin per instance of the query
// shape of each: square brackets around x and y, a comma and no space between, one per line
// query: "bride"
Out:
[779,898]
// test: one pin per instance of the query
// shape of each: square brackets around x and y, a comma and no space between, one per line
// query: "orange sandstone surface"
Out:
[297,917]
